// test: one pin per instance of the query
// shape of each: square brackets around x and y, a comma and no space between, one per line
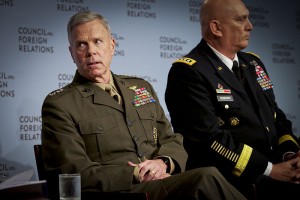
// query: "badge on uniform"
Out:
[224,97]
[188,61]
[262,77]
[141,96]
[155,135]
[234,121]
[223,94]
[56,92]
[221,90]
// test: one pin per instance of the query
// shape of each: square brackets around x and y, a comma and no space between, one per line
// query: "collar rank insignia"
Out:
[262,78]
[141,97]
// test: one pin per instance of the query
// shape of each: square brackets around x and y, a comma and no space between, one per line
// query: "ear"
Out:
[112,45]
[216,28]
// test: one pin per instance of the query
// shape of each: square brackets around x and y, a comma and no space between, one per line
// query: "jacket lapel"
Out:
[126,93]
[89,89]
[250,75]
[222,70]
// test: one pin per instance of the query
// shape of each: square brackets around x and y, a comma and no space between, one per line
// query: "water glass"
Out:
[69,187]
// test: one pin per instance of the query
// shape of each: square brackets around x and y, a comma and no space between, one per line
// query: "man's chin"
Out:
[244,45]
[97,75]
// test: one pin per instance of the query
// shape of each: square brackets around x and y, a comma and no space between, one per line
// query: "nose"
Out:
[249,25]
[91,50]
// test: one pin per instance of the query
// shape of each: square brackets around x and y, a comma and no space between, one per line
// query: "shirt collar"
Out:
[228,62]
[111,82]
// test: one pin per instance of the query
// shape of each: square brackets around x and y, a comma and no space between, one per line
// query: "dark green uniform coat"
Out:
[85,130]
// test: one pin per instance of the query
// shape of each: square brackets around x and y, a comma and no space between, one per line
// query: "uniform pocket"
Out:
[148,116]
[99,135]
[98,126]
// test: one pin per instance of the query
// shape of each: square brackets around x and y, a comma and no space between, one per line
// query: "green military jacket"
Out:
[85,130]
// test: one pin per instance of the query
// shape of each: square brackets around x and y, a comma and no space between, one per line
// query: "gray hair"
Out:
[84,17]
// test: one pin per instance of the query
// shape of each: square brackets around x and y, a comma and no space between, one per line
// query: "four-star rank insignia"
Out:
[141,96]
[56,92]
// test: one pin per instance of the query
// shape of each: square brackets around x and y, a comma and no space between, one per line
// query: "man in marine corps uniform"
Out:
[231,122]
[112,130]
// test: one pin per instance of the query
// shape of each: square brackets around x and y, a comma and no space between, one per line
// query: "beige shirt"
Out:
[111,88]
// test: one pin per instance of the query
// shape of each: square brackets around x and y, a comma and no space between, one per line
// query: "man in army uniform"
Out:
[112,130]
[231,122]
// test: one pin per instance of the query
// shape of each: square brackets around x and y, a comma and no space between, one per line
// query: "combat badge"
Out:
[221,90]
[141,96]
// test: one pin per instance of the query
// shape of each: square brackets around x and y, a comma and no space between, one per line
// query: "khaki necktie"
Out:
[111,90]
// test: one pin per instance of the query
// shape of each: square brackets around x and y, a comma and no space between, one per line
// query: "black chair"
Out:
[86,195]
[39,161]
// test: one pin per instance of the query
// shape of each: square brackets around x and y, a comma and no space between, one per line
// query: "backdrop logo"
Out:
[258,17]
[5,79]
[6,3]
[119,51]
[64,79]
[145,77]
[171,47]
[5,169]
[282,53]
[30,127]
[34,40]
[71,6]
[149,79]
[140,8]
[194,10]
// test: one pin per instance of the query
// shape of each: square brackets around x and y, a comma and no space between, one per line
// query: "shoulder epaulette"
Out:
[59,92]
[185,60]
[56,92]
[253,54]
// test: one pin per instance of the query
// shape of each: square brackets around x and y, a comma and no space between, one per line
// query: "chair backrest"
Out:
[39,161]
